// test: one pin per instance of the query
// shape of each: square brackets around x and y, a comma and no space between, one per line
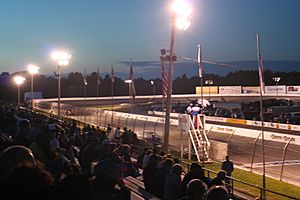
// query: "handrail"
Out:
[232,179]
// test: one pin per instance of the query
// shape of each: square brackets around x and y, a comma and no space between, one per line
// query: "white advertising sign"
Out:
[293,89]
[183,122]
[250,90]
[230,89]
[273,89]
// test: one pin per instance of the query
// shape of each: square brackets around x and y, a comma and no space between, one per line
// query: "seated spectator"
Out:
[13,156]
[217,193]
[28,182]
[108,175]
[23,137]
[36,128]
[160,176]
[149,173]
[196,190]
[196,172]
[219,179]
[88,153]
[73,186]
[172,186]
[42,151]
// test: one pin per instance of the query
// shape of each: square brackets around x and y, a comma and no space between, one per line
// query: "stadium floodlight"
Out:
[19,80]
[62,58]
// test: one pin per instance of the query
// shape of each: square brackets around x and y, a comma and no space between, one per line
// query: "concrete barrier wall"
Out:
[218,150]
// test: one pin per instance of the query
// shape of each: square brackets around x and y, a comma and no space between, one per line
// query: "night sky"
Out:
[99,33]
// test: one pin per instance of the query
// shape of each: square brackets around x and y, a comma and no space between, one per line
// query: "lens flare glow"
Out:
[19,80]
[182,23]
[62,57]
[33,69]
[181,8]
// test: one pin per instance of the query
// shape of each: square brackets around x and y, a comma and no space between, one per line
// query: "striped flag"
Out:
[260,66]
[98,77]
[164,79]
[84,78]
[132,87]
[200,70]
[112,74]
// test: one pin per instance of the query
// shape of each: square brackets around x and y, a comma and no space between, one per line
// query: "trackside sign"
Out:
[183,122]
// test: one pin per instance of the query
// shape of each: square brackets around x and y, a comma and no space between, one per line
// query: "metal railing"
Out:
[234,181]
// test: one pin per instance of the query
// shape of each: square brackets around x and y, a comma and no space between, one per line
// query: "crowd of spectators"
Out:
[164,177]
[46,158]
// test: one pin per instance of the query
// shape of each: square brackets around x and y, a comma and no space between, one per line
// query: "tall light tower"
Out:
[276,79]
[63,59]
[19,80]
[180,13]
[32,69]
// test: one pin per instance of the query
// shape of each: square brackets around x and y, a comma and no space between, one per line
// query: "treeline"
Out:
[73,85]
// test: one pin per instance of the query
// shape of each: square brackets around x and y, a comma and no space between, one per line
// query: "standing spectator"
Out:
[140,158]
[146,158]
[118,133]
[125,138]
[227,166]
[172,186]
[109,132]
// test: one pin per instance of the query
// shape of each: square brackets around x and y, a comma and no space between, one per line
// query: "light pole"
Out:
[209,83]
[276,79]
[63,59]
[32,69]
[180,13]
[129,82]
[153,89]
[19,80]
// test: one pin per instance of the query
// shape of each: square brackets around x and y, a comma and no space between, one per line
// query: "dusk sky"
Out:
[99,33]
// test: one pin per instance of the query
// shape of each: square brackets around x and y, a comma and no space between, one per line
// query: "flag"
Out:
[164,79]
[260,66]
[84,78]
[132,87]
[112,74]
[98,77]
[200,62]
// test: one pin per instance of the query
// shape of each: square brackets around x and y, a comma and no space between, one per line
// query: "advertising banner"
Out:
[293,89]
[250,90]
[273,89]
[230,89]
[207,90]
